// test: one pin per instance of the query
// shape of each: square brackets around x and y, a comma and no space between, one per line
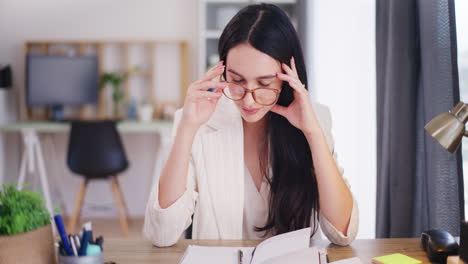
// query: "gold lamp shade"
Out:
[448,128]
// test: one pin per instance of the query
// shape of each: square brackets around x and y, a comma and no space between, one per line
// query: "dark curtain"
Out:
[419,184]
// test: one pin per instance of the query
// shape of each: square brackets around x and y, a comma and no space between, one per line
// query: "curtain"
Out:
[419,184]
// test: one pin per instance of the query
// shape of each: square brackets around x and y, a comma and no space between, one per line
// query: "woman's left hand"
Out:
[299,113]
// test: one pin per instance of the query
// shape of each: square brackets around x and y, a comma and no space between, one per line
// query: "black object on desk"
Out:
[438,244]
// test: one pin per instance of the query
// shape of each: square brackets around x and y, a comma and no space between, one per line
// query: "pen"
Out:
[77,241]
[88,226]
[62,249]
[85,239]
[91,239]
[63,234]
[240,255]
[72,242]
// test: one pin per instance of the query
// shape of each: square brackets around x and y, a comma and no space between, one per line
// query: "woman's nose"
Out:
[248,99]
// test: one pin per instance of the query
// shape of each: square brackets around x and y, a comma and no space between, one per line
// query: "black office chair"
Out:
[95,151]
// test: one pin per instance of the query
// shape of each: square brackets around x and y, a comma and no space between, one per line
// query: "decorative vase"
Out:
[31,247]
[117,110]
[145,113]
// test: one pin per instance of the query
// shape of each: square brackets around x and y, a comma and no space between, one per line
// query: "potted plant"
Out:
[25,228]
[115,79]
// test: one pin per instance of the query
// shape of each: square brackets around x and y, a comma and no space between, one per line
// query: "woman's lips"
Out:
[250,111]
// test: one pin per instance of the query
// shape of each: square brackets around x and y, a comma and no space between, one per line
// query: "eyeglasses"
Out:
[262,95]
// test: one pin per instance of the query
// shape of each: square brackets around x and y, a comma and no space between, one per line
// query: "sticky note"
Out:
[395,259]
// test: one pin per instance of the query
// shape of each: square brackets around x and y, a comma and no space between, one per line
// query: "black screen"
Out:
[61,80]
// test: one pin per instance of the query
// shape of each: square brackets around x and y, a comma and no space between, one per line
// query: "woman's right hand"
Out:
[200,103]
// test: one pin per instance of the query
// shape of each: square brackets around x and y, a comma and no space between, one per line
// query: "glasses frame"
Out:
[247,91]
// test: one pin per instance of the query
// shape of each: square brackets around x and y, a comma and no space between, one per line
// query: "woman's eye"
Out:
[237,81]
[264,85]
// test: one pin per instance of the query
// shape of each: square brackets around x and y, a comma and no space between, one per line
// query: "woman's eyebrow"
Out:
[269,76]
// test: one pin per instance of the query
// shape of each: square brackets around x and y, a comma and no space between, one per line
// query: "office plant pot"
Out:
[31,247]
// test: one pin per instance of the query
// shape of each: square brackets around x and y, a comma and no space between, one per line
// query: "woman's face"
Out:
[251,68]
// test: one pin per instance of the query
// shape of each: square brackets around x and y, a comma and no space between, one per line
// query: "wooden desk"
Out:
[138,250]
[57,127]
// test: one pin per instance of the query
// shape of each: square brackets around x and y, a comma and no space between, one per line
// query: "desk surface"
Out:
[138,250]
[56,127]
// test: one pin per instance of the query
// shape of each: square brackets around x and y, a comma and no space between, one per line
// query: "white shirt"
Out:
[214,194]
[255,207]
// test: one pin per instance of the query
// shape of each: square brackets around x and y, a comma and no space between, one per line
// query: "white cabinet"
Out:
[215,14]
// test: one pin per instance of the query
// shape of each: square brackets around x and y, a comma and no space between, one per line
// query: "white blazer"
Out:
[215,184]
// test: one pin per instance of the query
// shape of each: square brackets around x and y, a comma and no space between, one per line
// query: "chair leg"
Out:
[124,202]
[119,201]
[78,205]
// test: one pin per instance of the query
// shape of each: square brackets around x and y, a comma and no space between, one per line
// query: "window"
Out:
[462,43]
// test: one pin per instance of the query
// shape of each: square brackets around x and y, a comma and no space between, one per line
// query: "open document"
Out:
[291,247]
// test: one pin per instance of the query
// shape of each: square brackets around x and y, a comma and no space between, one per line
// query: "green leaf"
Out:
[21,211]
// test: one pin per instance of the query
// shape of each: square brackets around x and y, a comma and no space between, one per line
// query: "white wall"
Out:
[342,71]
[7,114]
[22,20]
[462,44]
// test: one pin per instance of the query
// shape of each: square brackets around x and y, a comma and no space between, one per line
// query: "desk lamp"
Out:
[5,77]
[448,129]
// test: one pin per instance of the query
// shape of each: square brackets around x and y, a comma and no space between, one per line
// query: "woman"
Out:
[251,152]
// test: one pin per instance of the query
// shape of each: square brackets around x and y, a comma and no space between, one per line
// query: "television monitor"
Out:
[58,81]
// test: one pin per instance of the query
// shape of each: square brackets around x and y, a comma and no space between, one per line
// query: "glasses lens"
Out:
[234,92]
[265,96]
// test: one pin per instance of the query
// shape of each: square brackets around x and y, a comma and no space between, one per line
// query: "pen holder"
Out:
[96,259]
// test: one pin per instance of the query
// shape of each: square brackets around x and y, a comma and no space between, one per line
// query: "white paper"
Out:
[273,247]
[311,255]
[282,244]
[347,261]
[215,255]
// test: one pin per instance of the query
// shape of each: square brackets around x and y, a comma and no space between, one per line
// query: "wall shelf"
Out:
[137,57]
[215,14]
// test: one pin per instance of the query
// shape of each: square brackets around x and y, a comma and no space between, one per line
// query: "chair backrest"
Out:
[95,149]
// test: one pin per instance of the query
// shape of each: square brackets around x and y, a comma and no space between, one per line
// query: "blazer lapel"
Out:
[224,162]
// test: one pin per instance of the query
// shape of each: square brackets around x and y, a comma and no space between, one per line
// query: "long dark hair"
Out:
[294,197]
